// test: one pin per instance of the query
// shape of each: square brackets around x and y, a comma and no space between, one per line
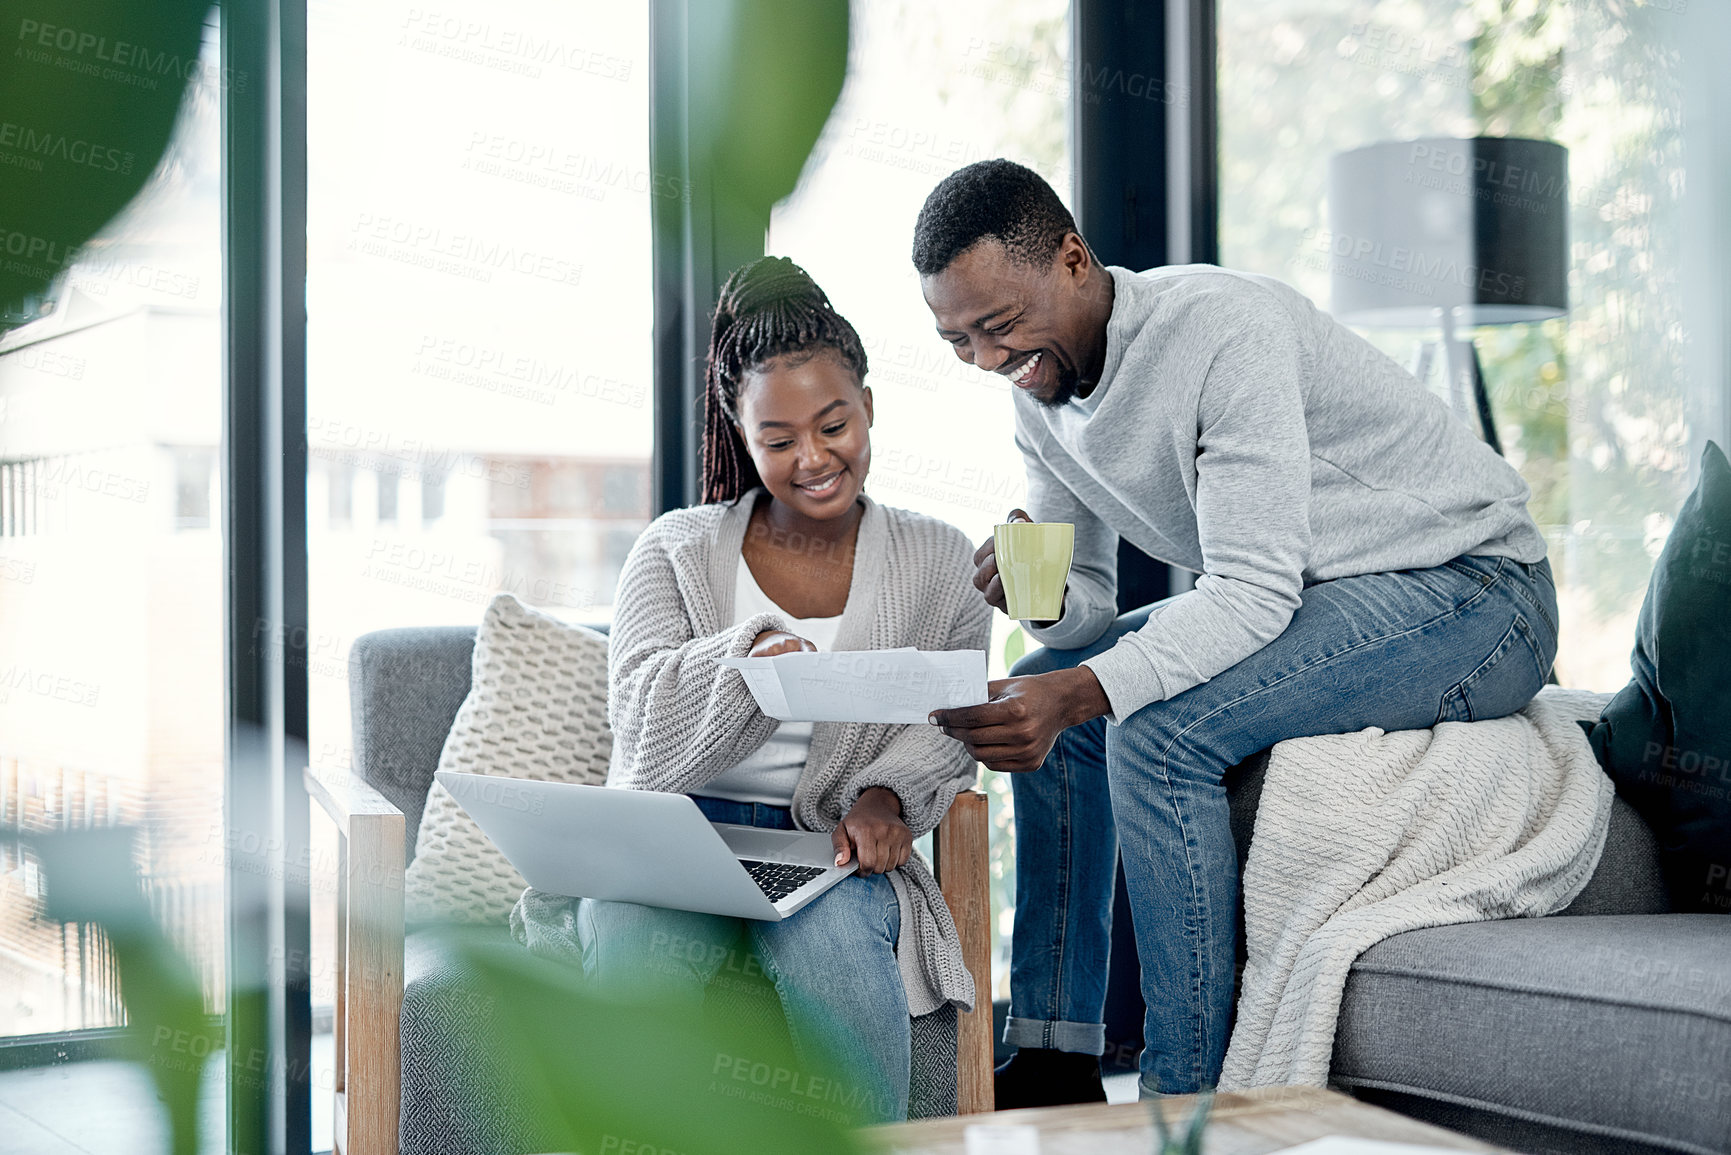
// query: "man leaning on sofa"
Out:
[1365,564]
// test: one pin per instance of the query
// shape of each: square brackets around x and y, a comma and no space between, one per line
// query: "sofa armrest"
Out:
[961,861]
[369,971]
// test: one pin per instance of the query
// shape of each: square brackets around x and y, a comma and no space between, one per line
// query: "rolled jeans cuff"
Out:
[1078,1038]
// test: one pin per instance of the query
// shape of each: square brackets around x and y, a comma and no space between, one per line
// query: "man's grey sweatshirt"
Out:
[1240,432]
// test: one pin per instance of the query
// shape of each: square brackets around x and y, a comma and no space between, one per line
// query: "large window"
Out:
[930,89]
[111,580]
[1596,408]
[478,329]
[111,569]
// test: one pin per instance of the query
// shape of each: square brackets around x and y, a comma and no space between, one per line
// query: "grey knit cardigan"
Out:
[679,719]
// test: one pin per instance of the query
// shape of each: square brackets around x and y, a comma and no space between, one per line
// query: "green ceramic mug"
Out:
[1034,563]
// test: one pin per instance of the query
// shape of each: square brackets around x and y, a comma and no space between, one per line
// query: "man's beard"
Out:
[1069,388]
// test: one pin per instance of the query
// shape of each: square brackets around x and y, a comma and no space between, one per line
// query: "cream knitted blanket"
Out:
[1363,836]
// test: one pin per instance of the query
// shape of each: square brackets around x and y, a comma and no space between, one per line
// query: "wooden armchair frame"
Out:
[961,857]
[369,970]
[369,963]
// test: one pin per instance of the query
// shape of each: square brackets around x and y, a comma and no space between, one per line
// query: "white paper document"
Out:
[1001,1139]
[1343,1145]
[863,685]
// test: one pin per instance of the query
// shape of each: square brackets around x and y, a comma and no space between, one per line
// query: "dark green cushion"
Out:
[1666,738]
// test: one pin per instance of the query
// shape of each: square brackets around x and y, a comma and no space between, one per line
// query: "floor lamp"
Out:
[1446,234]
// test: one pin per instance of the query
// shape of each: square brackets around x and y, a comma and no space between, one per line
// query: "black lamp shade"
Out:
[1478,227]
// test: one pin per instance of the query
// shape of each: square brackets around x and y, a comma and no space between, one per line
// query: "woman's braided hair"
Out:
[770,308]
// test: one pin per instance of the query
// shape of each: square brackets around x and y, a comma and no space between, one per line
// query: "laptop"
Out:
[646,847]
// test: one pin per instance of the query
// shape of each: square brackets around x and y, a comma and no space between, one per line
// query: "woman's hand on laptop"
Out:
[772,642]
[873,833]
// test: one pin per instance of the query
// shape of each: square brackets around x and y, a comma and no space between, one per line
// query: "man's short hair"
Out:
[995,200]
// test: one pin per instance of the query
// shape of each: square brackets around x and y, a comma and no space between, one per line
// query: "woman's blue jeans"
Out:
[1472,638]
[833,964]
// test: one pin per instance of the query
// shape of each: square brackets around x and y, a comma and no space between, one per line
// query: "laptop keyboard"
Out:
[777,880]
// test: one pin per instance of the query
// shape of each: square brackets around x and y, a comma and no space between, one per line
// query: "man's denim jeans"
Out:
[833,964]
[1472,638]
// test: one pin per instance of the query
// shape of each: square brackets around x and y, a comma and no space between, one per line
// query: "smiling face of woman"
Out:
[806,423]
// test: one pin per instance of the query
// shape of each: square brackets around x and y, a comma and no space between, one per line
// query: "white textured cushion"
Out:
[537,708]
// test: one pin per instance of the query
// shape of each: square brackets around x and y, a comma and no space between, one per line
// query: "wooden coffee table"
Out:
[1241,1123]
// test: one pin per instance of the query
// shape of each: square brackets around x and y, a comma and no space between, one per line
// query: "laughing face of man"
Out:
[1039,324]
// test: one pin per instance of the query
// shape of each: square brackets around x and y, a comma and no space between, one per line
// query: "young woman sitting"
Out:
[786,554]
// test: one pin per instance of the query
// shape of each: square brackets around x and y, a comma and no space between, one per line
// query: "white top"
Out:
[769,773]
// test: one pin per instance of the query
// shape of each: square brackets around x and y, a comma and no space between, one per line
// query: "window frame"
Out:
[264,475]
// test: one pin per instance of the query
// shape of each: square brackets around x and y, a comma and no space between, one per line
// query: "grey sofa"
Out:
[1605,1031]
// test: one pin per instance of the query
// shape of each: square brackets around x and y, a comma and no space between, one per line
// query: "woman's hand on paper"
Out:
[873,834]
[772,642]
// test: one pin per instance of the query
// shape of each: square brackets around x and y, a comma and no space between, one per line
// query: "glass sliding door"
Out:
[111,594]
[479,335]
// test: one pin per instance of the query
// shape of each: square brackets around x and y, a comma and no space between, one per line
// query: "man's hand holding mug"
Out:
[1015,729]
